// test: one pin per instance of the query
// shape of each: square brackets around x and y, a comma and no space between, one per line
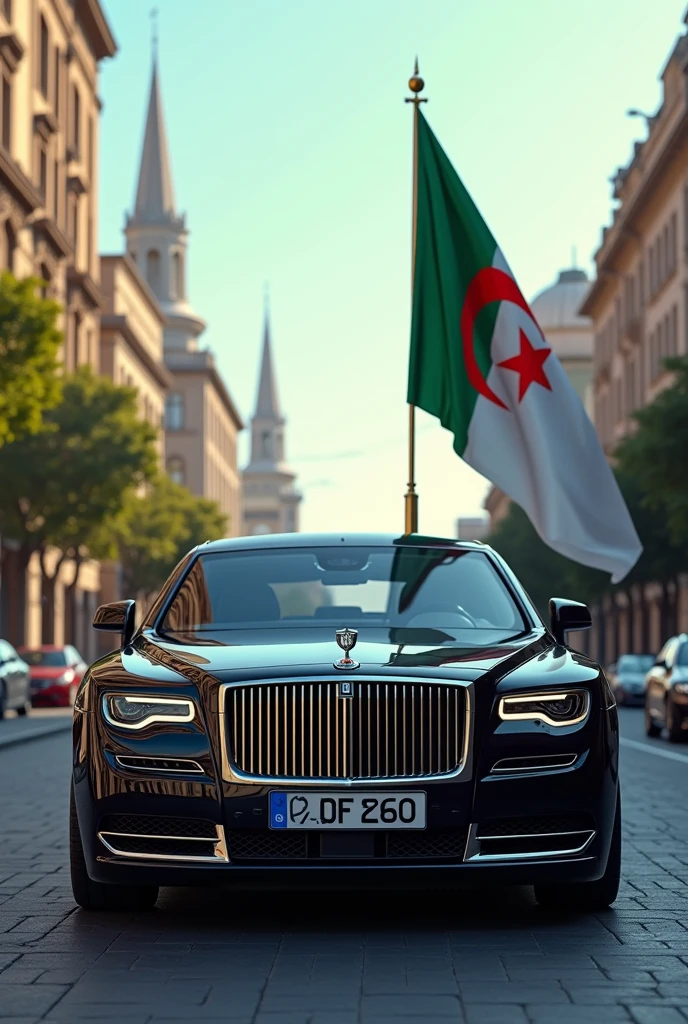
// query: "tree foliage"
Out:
[62,483]
[655,455]
[29,345]
[157,528]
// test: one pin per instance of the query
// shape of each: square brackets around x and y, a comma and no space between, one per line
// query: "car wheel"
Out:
[651,727]
[587,896]
[92,895]
[23,709]
[673,722]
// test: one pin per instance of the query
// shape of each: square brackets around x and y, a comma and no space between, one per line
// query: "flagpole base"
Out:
[411,513]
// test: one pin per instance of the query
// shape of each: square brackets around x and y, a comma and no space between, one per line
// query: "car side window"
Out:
[71,656]
[8,652]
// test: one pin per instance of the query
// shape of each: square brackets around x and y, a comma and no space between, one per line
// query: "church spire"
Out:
[155,195]
[267,404]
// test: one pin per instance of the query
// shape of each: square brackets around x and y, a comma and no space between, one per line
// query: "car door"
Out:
[657,677]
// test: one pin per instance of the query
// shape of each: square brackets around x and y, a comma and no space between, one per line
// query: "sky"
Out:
[291,152]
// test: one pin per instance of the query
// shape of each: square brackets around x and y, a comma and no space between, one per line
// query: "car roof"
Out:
[309,540]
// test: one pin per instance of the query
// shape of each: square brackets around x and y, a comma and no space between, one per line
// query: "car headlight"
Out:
[565,708]
[129,712]
[66,677]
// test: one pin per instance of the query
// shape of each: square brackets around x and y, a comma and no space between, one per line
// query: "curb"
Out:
[61,725]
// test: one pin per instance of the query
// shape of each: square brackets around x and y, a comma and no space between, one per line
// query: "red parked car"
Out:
[55,674]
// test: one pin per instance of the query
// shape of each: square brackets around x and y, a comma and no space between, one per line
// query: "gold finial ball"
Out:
[416,83]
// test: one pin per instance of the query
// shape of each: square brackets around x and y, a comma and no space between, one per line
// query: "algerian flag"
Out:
[480,364]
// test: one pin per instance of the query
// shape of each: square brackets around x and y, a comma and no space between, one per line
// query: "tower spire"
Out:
[154,34]
[267,404]
[155,194]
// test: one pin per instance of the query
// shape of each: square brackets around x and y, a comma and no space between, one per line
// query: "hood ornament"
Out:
[346,638]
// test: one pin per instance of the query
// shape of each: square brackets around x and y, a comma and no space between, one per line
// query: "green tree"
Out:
[157,528]
[61,484]
[29,344]
[655,455]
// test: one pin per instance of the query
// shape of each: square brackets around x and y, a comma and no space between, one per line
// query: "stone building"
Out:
[271,500]
[570,335]
[639,308]
[201,420]
[49,120]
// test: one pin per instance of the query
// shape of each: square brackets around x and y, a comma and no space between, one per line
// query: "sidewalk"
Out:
[39,722]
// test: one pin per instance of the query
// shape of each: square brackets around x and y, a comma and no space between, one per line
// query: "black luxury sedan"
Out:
[334,711]
[666,691]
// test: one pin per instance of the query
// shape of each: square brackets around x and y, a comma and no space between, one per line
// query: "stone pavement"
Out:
[491,958]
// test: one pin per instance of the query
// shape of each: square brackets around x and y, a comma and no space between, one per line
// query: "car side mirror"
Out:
[567,616]
[117,617]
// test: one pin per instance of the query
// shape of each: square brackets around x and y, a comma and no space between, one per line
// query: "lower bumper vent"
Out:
[155,837]
[431,845]
[530,837]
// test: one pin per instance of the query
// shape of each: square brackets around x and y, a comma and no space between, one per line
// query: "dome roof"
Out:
[556,307]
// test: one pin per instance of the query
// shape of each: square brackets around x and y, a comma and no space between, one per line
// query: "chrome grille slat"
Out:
[385,731]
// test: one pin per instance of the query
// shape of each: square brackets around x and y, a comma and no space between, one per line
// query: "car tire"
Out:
[673,723]
[651,728]
[98,896]
[588,896]
[23,709]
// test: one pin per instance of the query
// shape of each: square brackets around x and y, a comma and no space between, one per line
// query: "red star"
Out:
[528,365]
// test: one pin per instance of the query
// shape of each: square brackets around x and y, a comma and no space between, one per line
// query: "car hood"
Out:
[280,652]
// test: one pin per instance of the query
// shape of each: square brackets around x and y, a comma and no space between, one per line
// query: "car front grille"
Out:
[306,730]
[430,845]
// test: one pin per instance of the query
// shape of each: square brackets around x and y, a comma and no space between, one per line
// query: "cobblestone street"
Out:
[481,958]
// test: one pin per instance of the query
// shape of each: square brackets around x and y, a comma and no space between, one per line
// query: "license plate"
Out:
[347,810]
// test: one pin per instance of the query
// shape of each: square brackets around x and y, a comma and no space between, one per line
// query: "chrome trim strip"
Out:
[167,771]
[539,716]
[152,719]
[473,850]
[533,767]
[219,855]
[464,770]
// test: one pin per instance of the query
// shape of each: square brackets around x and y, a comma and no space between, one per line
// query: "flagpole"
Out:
[416,85]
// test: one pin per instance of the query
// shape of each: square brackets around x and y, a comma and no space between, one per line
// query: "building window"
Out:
[56,97]
[175,469]
[174,411]
[45,277]
[153,269]
[6,111]
[674,330]
[76,121]
[45,59]
[673,242]
[6,9]
[42,172]
[74,220]
[177,283]
[9,243]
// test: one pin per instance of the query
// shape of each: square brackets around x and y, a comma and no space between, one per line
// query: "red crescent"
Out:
[489,285]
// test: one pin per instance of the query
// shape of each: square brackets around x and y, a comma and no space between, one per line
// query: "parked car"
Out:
[55,674]
[331,712]
[666,691]
[627,677]
[15,685]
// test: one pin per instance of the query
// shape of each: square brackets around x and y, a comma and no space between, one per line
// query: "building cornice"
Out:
[91,15]
[177,364]
[58,241]
[121,325]
[145,292]
[83,281]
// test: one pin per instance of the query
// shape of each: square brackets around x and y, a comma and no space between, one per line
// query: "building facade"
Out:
[271,498]
[201,420]
[639,308]
[50,51]
[569,334]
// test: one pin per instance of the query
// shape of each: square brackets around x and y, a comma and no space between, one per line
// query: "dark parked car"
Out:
[666,691]
[353,711]
[627,678]
[55,674]
[15,691]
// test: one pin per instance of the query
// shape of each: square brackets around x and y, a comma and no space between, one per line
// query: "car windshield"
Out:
[682,655]
[415,587]
[635,663]
[48,659]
